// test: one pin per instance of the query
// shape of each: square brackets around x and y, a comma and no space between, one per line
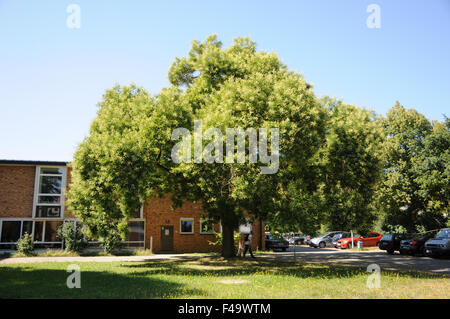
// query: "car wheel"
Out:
[283,249]
[322,244]
[390,251]
[423,252]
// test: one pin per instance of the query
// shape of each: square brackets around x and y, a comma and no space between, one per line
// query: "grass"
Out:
[213,277]
[63,253]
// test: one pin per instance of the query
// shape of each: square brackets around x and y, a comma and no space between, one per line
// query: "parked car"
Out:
[391,242]
[308,239]
[440,245]
[297,239]
[324,240]
[369,240]
[416,245]
[336,237]
[275,242]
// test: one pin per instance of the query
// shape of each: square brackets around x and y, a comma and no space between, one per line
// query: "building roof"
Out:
[21,162]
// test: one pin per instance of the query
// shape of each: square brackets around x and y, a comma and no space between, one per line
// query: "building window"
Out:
[51,231]
[186,225]
[44,233]
[206,226]
[136,234]
[49,196]
[10,231]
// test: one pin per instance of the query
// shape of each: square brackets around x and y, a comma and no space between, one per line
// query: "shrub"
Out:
[73,236]
[25,245]
[112,241]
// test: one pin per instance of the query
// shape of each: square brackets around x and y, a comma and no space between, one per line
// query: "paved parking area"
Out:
[364,258]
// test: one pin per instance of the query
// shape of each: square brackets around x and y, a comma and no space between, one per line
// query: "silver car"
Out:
[440,245]
[324,240]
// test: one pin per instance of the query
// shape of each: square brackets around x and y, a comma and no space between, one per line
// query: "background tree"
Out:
[351,163]
[414,192]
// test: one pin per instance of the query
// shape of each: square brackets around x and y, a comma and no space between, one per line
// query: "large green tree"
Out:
[414,192]
[127,156]
[352,162]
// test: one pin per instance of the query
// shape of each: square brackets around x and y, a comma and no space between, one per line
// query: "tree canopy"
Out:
[324,163]
[126,158]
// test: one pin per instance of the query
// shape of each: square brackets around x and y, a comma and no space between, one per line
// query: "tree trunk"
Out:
[228,249]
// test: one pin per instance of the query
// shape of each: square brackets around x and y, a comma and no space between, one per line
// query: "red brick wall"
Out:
[157,213]
[16,191]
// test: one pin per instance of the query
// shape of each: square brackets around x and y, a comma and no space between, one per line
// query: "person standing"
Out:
[248,244]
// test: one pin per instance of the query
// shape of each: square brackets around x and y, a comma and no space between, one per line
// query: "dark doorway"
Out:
[166,238]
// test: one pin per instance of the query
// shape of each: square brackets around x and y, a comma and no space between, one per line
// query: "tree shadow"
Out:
[218,267]
[29,282]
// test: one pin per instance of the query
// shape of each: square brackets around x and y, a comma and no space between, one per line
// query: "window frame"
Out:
[21,220]
[190,219]
[140,219]
[37,194]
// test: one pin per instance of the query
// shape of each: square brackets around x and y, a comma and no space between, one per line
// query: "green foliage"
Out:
[126,157]
[25,245]
[331,153]
[73,236]
[111,241]
[415,190]
[352,162]
[219,239]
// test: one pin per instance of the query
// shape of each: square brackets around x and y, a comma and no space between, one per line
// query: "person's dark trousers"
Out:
[249,249]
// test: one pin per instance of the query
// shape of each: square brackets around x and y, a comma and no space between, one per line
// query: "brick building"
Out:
[32,199]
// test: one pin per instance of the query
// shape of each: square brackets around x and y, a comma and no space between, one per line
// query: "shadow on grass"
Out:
[28,282]
[241,267]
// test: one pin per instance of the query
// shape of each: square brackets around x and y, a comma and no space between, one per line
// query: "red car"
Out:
[370,240]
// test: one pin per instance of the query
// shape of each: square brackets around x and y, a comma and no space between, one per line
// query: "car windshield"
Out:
[387,237]
[444,234]
[336,237]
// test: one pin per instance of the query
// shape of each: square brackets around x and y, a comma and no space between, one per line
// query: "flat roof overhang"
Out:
[43,163]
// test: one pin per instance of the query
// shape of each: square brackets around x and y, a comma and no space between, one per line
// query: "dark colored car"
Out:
[391,242]
[440,245]
[276,242]
[416,245]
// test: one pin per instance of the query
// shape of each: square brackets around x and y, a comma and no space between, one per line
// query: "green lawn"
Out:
[212,277]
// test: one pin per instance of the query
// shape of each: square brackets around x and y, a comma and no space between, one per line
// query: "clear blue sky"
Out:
[52,77]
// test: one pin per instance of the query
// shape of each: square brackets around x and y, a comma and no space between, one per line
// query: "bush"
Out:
[112,241]
[73,236]
[25,245]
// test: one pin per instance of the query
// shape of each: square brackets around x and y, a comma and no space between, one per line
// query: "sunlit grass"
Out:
[214,277]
